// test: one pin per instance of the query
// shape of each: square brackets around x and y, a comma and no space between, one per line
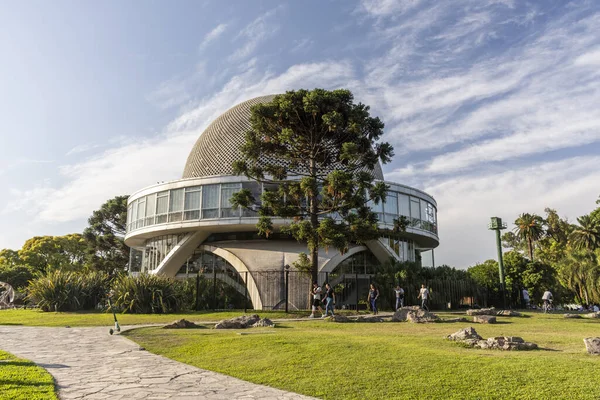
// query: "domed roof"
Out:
[219,145]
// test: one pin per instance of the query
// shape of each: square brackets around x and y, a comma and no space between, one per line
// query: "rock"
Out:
[242,322]
[464,334]
[401,314]
[421,316]
[264,323]
[338,318]
[592,345]
[572,316]
[484,319]
[592,315]
[461,319]
[369,318]
[181,324]
[482,311]
[469,337]
[509,313]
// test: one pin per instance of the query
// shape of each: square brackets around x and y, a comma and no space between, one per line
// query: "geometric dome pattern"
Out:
[219,145]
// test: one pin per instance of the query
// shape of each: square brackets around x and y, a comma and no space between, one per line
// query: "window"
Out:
[150,209]
[227,191]
[415,212]
[404,205]
[390,207]
[162,206]
[141,213]
[176,205]
[255,189]
[192,202]
[210,201]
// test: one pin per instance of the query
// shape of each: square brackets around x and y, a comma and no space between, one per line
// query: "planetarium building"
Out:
[188,227]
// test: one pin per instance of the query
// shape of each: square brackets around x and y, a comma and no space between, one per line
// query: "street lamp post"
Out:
[497,225]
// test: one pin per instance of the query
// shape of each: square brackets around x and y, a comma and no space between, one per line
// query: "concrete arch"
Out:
[336,260]
[240,267]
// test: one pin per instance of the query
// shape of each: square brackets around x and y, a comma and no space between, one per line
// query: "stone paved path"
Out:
[87,363]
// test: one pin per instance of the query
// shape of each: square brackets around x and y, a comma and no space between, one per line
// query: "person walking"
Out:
[329,299]
[399,297]
[316,294]
[424,296]
[373,296]
[526,299]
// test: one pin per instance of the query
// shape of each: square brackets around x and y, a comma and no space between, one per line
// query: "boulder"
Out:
[572,316]
[484,319]
[482,311]
[469,337]
[592,345]
[460,319]
[509,313]
[464,334]
[592,315]
[181,324]
[421,316]
[401,314]
[242,322]
[263,323]
[338,318]
[369,318]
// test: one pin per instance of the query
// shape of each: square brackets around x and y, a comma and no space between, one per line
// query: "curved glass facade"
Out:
[156,249]
[207,202]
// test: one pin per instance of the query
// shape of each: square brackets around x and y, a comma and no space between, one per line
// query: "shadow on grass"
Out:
[15,363]
[23,384]
[10,324]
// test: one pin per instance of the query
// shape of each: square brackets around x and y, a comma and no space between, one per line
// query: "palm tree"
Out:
[529,227]
[586,235]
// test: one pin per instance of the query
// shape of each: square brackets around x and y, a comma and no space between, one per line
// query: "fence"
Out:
[289,290]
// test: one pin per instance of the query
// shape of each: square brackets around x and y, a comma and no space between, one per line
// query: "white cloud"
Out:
[82,148]
[213,35]
[381,8]
[133,164]
[466,203]
[255,33]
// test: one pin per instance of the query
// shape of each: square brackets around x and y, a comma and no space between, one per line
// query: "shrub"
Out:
[148,294]
[68,291]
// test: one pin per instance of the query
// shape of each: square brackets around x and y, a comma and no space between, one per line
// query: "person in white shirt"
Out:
[424,296]
[316,293]
[399,297]
[526,299]
[547,298]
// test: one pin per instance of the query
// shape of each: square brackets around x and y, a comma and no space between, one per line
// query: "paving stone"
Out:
[87,363]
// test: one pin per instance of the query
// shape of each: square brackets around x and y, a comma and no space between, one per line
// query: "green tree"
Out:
[9,258]
[328,147]
[47,253]
[529,227]
[105,234]
[486,274]
[587,234]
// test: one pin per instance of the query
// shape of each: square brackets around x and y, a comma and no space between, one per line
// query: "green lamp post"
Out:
[497,225]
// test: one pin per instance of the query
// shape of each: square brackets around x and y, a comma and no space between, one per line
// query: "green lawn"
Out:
[40,318]
[395,360]
[22,379]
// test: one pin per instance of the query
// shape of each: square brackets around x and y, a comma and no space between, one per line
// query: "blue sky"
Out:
[491,105]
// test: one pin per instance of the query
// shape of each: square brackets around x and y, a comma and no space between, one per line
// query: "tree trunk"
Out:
[314,221]
[530,245]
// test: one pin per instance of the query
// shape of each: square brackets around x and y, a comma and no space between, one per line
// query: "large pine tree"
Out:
[321,149]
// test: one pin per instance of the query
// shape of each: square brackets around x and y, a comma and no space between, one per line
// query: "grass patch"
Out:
[22,379]
[96,318]
[395,360]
